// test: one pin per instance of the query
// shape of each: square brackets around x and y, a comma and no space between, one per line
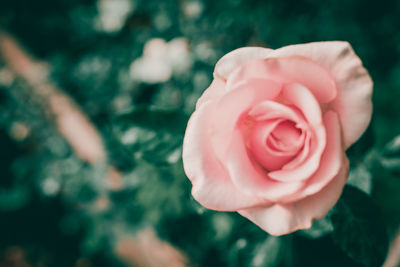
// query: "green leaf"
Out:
[158,147]
[153,135]
[390,156]
[358,229]
[361,178]
[393,147]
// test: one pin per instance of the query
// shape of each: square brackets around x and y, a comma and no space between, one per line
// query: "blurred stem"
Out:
[73,124]
[70,120]
[149,251]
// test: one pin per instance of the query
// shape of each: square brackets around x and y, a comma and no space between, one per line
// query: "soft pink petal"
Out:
[293,69]
[299,96]
[250,177]
[286,136]
[270,110]
[331,160]
[212,186]
[353,102]
[233,105]
[281,219]
[269,159]
[302,155]
[273,110]
[228,63]
[213,92]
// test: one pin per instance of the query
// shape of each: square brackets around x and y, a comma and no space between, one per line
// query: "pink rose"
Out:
[268,137]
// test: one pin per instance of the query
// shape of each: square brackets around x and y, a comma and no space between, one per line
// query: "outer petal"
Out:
[353,102]
[212,186]
[226,65]
[213,92]
[281,219]
[290,69]
[238,57]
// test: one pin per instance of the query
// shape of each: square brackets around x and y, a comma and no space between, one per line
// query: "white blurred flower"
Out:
[178,55]
[19,131]
[205,52]
[193,9]
[50,186]
[112,14]
[160,60]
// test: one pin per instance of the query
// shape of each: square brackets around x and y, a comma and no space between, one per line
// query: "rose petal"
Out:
[353,102]
[236,58]
[213,92]
[281,219]
[293,69]
[301,157]
[250,177]
[212,186]
[233,105]
[286,137]
[270,110]
[306,102]
[273,110]
[331,160]
[268,158]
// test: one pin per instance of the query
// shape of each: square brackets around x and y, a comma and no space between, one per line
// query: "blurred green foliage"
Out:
[49,197]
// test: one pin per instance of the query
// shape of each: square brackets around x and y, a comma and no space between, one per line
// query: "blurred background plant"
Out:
[94,100]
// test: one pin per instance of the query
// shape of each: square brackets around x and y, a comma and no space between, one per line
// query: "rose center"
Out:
[284,137]
[274,143]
